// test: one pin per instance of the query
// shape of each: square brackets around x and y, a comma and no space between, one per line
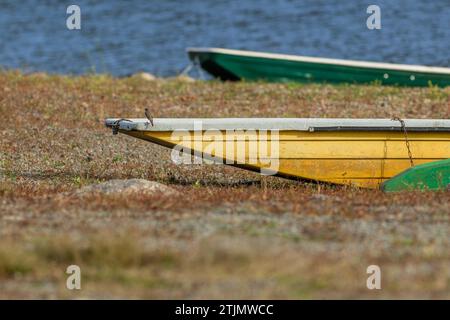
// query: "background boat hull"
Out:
[241,67]
[431,176]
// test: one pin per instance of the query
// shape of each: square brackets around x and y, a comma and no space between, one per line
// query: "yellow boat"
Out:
[359,152]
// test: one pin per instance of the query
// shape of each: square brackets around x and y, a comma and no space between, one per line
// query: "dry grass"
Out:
[231,233]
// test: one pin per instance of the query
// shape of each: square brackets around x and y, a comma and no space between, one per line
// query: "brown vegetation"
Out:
[229,233]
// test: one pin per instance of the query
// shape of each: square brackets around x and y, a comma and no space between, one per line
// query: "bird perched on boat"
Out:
[149,116]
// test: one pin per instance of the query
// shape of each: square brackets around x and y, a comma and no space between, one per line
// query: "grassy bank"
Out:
[230,233]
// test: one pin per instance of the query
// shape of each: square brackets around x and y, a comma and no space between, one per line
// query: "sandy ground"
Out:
[227,233]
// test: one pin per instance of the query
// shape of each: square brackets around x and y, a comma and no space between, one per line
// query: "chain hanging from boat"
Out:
[403,128]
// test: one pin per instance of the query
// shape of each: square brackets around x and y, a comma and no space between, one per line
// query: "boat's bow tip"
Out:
[117,124]
[109,122]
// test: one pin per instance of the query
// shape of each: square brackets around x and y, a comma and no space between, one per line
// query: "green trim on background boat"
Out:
[256,66]
[429,176]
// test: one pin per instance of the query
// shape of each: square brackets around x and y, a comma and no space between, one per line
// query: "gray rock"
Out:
[127,186]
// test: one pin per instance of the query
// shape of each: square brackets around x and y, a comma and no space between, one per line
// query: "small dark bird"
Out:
[149,116]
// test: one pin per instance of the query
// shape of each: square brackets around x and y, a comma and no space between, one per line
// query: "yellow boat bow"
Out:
[360,152]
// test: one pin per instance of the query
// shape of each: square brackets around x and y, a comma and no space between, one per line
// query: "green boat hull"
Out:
[234,66]
[429,176]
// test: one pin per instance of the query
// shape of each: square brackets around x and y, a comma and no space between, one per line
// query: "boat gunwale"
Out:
[396,129]
[329,61]
[280,124]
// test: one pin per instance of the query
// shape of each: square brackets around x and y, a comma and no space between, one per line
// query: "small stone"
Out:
[145,76]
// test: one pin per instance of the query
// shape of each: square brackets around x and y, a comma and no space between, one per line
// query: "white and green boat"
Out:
[229,64]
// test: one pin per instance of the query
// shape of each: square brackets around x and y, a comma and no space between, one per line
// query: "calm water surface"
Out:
[123,37]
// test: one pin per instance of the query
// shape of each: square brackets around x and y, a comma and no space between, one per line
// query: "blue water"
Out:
[123,37]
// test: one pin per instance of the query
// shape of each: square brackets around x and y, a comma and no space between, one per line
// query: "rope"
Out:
[403,127]
[186,70]
[198,67]
[116,125]
[193,65]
